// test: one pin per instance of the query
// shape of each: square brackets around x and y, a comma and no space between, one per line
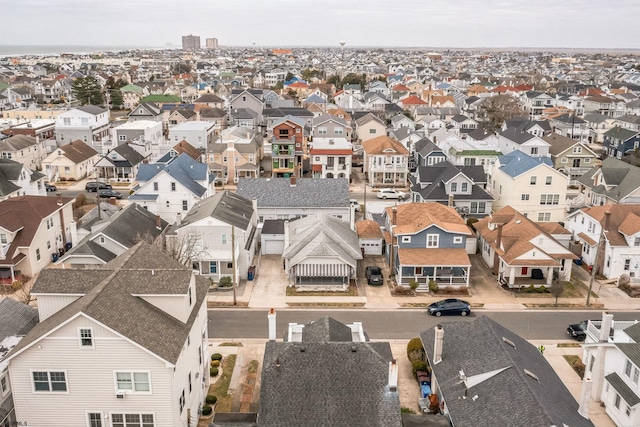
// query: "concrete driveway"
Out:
[377,296]
[270,284]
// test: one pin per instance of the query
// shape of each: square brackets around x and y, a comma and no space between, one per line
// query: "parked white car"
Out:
[390,193]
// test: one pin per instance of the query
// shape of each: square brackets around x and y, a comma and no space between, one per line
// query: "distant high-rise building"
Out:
[190,42]
[211,43]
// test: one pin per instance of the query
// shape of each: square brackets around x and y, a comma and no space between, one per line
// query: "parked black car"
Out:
[578,330]
[109,194]
[374,275]
[93,186]
[50,187]
[449,306]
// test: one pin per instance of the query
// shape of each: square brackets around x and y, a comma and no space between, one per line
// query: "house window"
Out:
[534,151]
[627,264]
[464,186]
[189,379]
[524,197]
[134,381]
[616,403]
[132,420]
[38,254]
[224,239]
[102,240]
[94,419]
[49,381]
[86,337]
[181,400]
[372,131]
[544,216]
[322,130]
[4,386]
[122,137]
[338,130]
[200,355]
[478,207]
[547,180]
[627,410]
[432,240]
[185,206]
[454,187]
[457,239]
[190,298]
[155,186]
[577,150]
[173,186]
[229,265]
[549,199]
[533,180]
[564,160]
[406,239]
[3,239]
[224,159]
[48,244]
[587,160]
[213,267]
[636,241]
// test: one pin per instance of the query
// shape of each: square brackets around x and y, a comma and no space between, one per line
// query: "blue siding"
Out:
[445,240]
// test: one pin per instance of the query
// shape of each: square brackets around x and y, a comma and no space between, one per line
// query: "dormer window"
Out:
[190,297]
[454,187]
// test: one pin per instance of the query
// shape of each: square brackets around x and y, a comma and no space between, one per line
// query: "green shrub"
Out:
[401,290]
[216,356]
[207,410]
[213,372]
[211,399]
[413,285]
[225,282]
[405,410]
[16,285]
[215,363]
[415,350]
[419,365]
[433,286]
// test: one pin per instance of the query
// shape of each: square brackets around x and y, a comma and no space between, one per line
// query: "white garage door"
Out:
[273,247]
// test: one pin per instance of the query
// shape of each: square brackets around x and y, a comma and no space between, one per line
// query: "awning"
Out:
[322,270]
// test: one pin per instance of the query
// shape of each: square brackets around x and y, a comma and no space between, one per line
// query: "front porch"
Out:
[446,267]
[521,276]
[115,174]
[390,178]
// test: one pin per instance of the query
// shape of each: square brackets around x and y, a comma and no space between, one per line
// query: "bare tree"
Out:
[496,109]
[557,286]
[185,248]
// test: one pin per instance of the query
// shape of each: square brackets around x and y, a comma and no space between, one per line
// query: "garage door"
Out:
[273,247]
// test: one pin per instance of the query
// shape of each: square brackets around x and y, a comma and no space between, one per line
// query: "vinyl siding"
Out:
[445,240]
[51,304]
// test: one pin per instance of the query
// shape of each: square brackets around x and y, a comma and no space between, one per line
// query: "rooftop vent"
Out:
[532,375]
[354,349]
[508,341]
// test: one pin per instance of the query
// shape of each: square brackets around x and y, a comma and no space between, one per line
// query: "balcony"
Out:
[399,167]
[615,335]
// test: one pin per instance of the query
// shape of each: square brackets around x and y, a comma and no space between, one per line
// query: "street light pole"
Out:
[596,260]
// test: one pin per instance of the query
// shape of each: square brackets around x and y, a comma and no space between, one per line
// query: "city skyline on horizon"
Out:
[469,24]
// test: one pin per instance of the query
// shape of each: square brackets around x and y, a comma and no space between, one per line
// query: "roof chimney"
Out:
[585,397]
[437,344]
[272,324]
[59,201]
[393,375]
[450,203]
[607,220]
[158,222]
[292,180]
[605,327]
[394,215]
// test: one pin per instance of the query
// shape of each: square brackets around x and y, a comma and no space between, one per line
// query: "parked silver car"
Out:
[390,193]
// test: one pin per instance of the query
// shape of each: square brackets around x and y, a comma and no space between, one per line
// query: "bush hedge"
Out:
[215,363]
[211,399]
[415,350]
[213,372]
[207,410]
[216,356]
[419,365]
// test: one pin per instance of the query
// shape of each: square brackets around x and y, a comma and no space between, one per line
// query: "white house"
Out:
[196,133]
[331,158]
[16,179]
[213,226]
[89,124]
[122,345]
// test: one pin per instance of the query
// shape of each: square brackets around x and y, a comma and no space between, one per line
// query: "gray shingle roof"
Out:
[92,109]
[322,382]
[623,389]
[509,398]
[144,269]
[632,351]
[225,206]
[278,192]
[16,318]
[183,169]
[633,332]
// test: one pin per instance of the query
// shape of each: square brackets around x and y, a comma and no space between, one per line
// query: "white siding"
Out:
[48,305]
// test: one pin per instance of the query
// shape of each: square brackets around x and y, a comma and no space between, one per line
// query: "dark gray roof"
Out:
[132,223]
[92,109]
[320,382]
[511,397]
[326,329]
[517,136]
[633,332]
[623,389]
[144,269]
[632,351]
[273,226]
[307,192]
[225,206]
[282,112]
[132,157]
[16,319]
[624,177]
[183,169]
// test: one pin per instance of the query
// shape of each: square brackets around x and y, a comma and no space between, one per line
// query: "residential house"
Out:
[463,123]
[535,102]
[513,139]
[215,115]
[196,133]
[251,99]
[70,162]
[107,235]
[39,128]
[614,181]
[235,153]
[604,105]
[570,126]
[276,115]
[369,126]
[171,189]
[288,147]
[181,115]
[131,95]
[290,198]
[510,375]
[119,165]
[598,125]
[147,131]
[89,124]
[17,179]
[370,237]
[569,156]
[328,126]
[386,162]
[537,128]
[428,242]
[320,250]
[461,187]
[219,234]
[361,387]
[470,152]
[618,142]
[100,320]
[521,252]
[530,185]
[427,153]
[32,229]
[16,320]
[612,367]
[209,100]
[618,244]
[24,149]
[331,158]
[146,111]
[179,148]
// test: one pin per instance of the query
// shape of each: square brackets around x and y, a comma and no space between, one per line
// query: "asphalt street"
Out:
[231,324]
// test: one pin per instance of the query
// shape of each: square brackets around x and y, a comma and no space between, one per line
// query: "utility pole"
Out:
[233,261]
[604,228]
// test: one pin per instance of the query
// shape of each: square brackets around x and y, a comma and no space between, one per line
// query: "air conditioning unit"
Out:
[120,394]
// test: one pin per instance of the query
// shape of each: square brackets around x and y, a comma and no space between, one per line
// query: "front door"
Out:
[524,271]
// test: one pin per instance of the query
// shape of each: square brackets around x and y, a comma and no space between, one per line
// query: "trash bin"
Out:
[67,246]
[251,273]
[54,257]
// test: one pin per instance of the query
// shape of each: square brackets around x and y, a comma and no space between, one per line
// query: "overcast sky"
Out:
[428,23]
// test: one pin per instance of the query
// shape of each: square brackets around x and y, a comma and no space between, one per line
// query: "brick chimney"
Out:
[59,198]
[292,180]
[158,222]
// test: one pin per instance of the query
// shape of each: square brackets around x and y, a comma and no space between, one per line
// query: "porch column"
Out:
[549,275]
[13,276]
[468,273]
[512,275]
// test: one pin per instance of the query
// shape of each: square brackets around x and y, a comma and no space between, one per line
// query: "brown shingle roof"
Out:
[437,257]
[383,145]
[413,217]
[619,213]
[77,151]
[368,229]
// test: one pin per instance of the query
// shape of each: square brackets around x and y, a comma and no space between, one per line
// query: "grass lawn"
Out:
[576,364]
[231,344]
[325,304]
[221,387]
[352,291]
